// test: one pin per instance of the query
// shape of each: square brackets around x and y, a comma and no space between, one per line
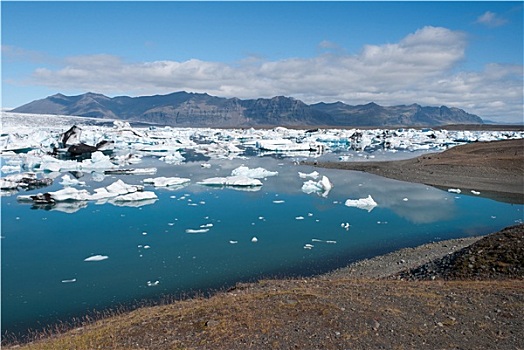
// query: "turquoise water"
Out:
[45,277]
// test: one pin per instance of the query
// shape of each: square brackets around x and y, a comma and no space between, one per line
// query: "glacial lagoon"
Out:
[62,261]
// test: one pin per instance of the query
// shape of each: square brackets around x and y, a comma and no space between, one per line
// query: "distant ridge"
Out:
[202,110]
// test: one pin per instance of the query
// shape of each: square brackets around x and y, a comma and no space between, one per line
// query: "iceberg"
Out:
[362,203]
[241,181]
[256,173]
[314,175]
[136,196]
[166,181]
[322,187]
[97,257]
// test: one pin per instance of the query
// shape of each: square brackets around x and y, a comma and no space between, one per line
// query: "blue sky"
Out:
[462,54]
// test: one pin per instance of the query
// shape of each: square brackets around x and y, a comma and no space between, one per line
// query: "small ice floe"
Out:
[279,201]
[147,247]
[97,257]
[173,158]
[240,181]
[153,284]
[136,196]
[256,173]
[206,225]
[69,181]
[308,246]
[345,225]
[23,181]
[233,242]
[10,169]
[199,230]
[405,199]
[254,239]
[205,165]
[137,171]
[362,203]
[476,193]
[322,187]
[299,218]
[314,175]
[73,280]
[454,190]
[166,181]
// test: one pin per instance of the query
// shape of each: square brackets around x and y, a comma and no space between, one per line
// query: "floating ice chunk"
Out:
[153,284]
[279,201]
[97,257]
[475,192]
[205,165]
[73,280]
[173,158]
[233,242]
[136,171]
[136,196]
[345,225]
[362,203]
[314,175]
[322,187]
[10,169]
[308,246]
[454,190]
[256,173]
[241,181]
[200,230]
[69,194]
[299,218]
[69,181]
[254,239]
[405,199]
[166,181]
[206,225]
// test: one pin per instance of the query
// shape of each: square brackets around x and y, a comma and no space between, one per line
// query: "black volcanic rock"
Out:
[196,109]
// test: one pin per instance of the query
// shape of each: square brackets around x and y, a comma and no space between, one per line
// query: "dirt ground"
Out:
[456,294]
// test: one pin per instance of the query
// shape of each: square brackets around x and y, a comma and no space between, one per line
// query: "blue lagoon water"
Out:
[150,252]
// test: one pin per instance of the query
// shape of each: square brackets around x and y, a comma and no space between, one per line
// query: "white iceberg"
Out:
[256,173]
[97,257]
[69,181]
[69,194]
[314,175]
[166,181]
[136,196]
[323,186]
[241,181]
[362,203]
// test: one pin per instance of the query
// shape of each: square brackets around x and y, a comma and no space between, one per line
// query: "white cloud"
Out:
[420,68]
[491,19]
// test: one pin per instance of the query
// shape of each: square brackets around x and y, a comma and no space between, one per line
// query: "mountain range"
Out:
[202,110]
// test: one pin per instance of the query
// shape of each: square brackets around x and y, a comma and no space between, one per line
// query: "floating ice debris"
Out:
[205,165]
[10,169]
[137,171]
[233,242]
[73,280]
[69,181]
[147,247]
[200,230]
[279,201]
[308,246]
[144,233]
[475,192]
[314,175]
[256,173]
[166,181]
[322,187]
[254,239]
[405,199]
[96,258]
[299,218]
[153,284]
[241,181]
[454,190]
[345,226]
[206,225]
[23,181]
[136,196]
[117,188]
[173,158]
[362,203]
